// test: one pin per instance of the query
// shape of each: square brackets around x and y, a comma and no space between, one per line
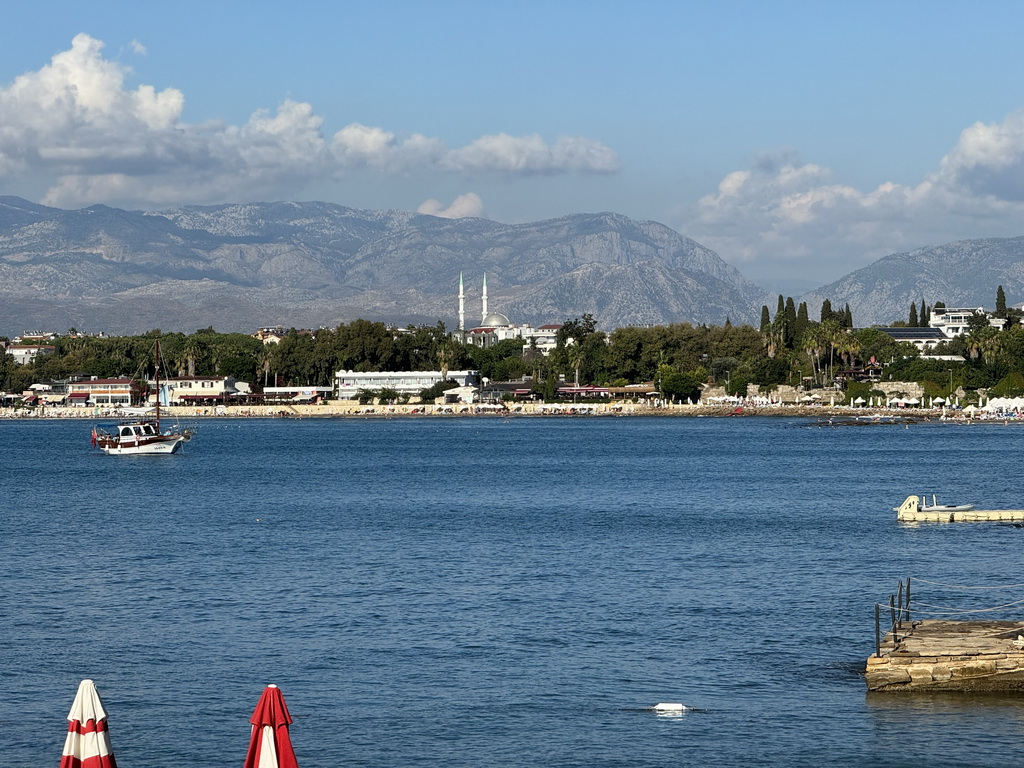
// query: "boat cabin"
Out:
[136,430]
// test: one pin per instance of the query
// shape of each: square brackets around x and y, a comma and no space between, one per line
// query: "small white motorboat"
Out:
[936,507]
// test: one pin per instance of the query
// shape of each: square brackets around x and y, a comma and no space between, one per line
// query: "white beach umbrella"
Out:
[87,744]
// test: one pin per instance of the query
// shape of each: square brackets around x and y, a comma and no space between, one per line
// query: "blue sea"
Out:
[497,592]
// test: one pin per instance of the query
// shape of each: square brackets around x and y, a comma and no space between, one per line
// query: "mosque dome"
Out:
[495,320]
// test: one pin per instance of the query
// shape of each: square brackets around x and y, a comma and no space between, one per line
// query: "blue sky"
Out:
[799,140]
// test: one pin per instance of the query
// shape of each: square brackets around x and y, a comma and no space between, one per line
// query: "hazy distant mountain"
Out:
[238,267]
[962,274]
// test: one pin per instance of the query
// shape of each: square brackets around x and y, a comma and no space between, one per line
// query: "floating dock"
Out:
[937,655]
[912,511]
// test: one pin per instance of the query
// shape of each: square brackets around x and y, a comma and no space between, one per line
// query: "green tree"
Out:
[1011,385]
[550,387]
[678,386]
[780,317]
[1000,302]
[802,321]
[847,346]
[387,396]
[576,355]
[430,394]
[790,322]
[826,311]
[445,355]
[912,320]
[814,344]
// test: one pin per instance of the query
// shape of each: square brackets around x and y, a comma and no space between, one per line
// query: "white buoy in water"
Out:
[669,707]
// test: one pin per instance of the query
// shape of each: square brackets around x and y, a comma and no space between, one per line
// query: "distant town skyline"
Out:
[798,140]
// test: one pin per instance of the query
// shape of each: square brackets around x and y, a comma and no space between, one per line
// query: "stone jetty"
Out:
[938,655]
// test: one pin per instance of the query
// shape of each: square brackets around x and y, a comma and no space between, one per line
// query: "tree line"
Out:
[789,347]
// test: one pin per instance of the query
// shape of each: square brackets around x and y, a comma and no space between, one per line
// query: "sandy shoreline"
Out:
[354,410]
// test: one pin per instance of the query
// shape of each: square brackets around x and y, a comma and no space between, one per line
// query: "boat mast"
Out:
[156,371]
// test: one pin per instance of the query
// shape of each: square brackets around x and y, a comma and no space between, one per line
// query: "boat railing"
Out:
[898,609]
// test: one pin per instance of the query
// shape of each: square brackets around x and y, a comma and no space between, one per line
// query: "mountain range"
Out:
[965,273]
[241,267]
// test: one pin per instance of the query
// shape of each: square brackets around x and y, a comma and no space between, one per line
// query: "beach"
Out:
[348,408]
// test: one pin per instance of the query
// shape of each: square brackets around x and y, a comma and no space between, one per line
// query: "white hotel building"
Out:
[349,383]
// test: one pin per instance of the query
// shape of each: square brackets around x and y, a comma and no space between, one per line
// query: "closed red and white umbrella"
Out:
[88,742]
[270,745]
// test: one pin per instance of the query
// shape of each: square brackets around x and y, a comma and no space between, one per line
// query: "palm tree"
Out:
[445,356]
[814,344]
[830,331]
[263,363]
[774,337]
[190,352]
[991,344]
[848,347]
[975,341]
[576,355]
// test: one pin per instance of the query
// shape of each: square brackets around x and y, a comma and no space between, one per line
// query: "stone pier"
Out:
[938,655]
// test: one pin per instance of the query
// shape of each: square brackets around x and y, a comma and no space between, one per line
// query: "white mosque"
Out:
[495,326]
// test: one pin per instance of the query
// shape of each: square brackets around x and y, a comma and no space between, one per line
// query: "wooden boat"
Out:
[143,435]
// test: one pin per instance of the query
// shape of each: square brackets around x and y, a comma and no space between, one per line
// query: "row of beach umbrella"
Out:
[88,741]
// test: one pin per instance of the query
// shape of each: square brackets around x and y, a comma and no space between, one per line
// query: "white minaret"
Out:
[462,305]
[483,315]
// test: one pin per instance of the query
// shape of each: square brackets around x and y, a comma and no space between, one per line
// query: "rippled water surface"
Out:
[480,592]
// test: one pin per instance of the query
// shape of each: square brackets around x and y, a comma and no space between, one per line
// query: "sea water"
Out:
[497,592]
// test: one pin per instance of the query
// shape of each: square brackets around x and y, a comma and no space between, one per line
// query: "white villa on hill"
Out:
[953,321]
[944,324]
[24,354]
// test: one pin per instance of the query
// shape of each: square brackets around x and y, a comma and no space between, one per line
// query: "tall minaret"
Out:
[483,315]
[462,305]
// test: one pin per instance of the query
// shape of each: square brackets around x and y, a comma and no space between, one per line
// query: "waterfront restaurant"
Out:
[202,390]
[103,392]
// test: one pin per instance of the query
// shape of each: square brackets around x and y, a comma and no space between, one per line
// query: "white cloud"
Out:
[77,122]
[531,154]
[463,206]
[358,146]
[988,161]
[783,214]
[138,48]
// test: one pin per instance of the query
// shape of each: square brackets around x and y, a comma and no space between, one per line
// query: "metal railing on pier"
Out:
[898,614]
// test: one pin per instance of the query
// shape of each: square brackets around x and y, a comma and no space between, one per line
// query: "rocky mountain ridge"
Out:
[238,267]
[965,273]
